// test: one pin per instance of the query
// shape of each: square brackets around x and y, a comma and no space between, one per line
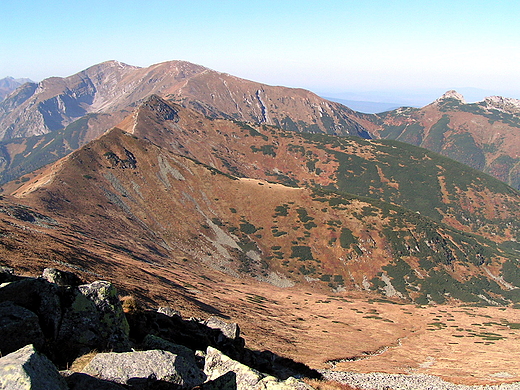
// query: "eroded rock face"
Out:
[128,367]
[26,369]
[18,327]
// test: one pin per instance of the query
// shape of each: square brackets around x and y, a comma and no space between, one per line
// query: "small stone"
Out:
[168,311]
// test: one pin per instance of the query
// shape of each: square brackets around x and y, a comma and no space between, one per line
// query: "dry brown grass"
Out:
[130,304]
[81,362]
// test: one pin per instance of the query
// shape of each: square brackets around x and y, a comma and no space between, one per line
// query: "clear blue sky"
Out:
[325,46]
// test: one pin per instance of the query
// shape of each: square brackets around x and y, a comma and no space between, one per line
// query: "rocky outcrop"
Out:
[46,322]
[27,369]
[72,319]
[451,95]
[95,319]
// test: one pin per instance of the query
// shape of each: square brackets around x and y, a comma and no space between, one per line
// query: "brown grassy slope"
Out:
[268,153]
[155,201]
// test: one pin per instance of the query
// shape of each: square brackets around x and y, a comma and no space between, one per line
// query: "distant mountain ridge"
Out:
[484,135]
[40,123]
[9,84]
[112,87]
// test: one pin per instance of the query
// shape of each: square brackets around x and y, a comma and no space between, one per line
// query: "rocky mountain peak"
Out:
[451,94]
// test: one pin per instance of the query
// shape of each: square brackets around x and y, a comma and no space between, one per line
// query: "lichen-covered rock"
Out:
[94,320]
[18,328]
[159,365]
[230,330]
[217,364]
[61,278]
[26,369]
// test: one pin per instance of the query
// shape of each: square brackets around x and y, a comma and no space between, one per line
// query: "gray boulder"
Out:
[128,367]
[230,330]
[26,369]
[217,365]
[94,320]
[18,327]
[168,311]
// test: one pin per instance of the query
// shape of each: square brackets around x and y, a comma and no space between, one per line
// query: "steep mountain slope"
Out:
[484,135]
[156,206]
[111,89]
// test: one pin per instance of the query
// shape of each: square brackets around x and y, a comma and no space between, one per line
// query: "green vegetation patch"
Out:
[301,252]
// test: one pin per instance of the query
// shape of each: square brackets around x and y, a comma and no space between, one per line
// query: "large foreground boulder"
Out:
[18,328]
[128,367]
[26,369]
[38,296]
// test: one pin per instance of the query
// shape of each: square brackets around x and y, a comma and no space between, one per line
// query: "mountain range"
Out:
[184,184]
[42,122]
